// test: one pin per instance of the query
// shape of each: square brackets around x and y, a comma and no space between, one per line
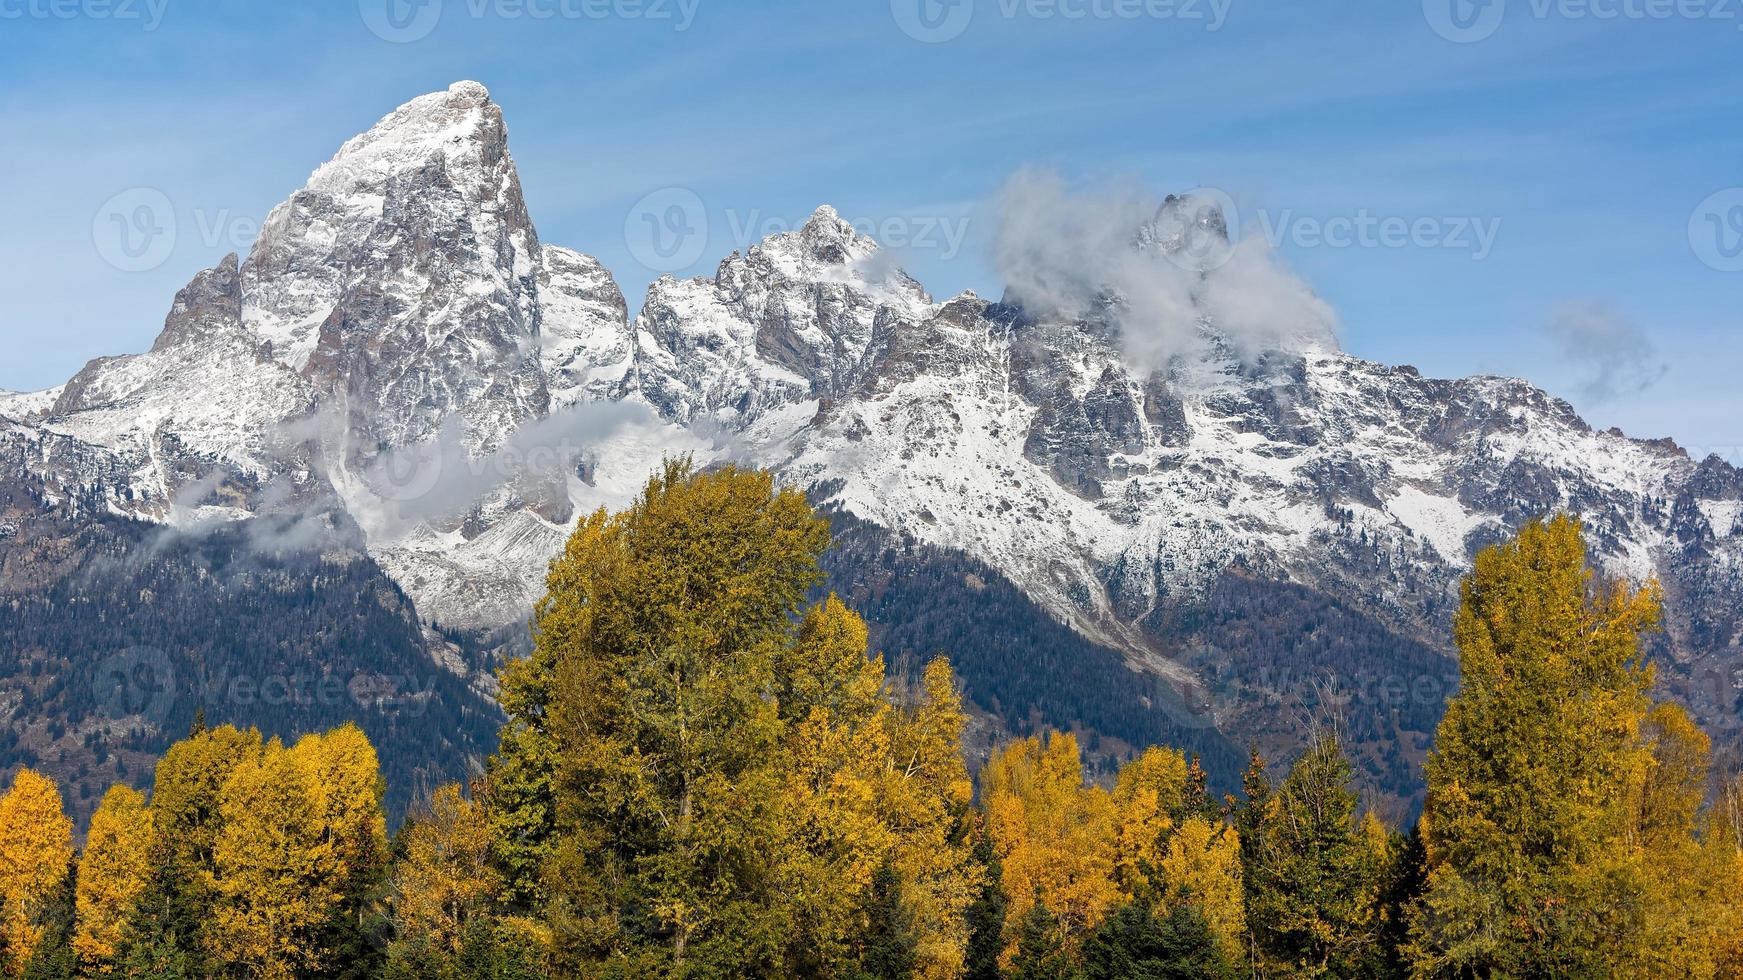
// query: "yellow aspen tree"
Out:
[1723,853]
[113,873]
[187,793]
[833,834]
[36,851]
[931,793]
[1146,793]
[345,783]
[446,877]
[870,782]
[276,873]
[828,667]
[1055,838]
[1202,867]
[1688,895]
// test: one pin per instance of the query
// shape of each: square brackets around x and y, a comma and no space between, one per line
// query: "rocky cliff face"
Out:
[400,348]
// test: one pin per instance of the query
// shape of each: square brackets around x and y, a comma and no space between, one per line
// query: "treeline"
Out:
[704,774]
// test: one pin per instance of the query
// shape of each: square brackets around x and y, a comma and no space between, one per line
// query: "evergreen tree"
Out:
[1313,878]
[160,940]
[53,958]
[986,917]
[890,947]
[492,951]
[1401,889]
[1133,944]
[1195,800]
[1041,951]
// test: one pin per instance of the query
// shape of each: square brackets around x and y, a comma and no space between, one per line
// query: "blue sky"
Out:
[1597,144]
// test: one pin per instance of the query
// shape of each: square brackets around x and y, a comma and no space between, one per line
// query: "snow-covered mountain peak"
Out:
[1186,223]
[429,189]
[1115,439]
[797,319]
[828,238]
[584,337]
[461,124]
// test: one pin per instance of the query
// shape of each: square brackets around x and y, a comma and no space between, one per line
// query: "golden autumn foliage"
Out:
[1055,837]
[187,792]
[702,773]
[872,782]
[707,774]
[298,828]
[113,873]
[36,850]
[344,785]
[1202,868]
[1082,851]
[1146,794]
[446,878]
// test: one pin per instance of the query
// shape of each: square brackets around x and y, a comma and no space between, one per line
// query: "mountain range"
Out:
[349,455]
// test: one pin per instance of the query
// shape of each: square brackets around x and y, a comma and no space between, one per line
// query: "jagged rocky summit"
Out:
[400,366]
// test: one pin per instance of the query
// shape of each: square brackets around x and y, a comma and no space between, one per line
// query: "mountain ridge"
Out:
[399,352]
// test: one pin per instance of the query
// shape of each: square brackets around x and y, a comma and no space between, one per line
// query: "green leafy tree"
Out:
[701,775]
[1528,822]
